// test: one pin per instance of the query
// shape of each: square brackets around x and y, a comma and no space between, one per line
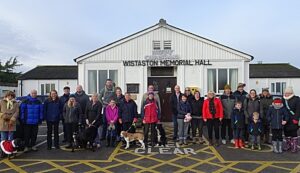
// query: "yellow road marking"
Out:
[58,167]
[13,166]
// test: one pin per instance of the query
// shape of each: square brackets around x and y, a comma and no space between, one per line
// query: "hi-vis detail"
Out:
[166,62]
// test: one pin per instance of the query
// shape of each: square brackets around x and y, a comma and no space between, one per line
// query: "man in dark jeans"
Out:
[174,100]
[31,116]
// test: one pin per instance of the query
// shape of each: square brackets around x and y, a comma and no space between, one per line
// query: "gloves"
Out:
[135,120]
[295,121]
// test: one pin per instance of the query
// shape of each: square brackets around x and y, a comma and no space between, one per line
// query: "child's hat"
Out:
[8,146]
[277,100]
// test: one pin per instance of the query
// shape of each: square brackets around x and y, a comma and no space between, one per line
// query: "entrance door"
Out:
[164,86]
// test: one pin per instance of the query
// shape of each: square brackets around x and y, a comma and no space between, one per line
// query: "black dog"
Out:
[84,138]
[161,139]
[10,148]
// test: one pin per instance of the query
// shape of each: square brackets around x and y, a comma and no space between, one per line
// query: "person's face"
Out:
[265,93]
[79,89]
[255,119]
[94,98]
[9,97]
[287,94]
[150,96]
[66,91]
[197,95]
[252,94]
[127,97]
[210,95]
[53,95]
[187,91]
[151,88]
[109,83]
[238,106]
[33,94]
[227,91]
[118,92]
[277,104]
[72,99]
[177,89]
[241,89]
[112,103]
[184,99]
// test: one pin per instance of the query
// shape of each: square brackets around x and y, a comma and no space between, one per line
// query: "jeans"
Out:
[197,124]
[6,135]
[226,128]
[147,126]
[104,126]
[175,126]
[50,127]
[239,133]
[183,128]
[255,139]
[99,130]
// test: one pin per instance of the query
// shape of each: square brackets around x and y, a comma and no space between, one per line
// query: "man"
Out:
[82,98]
[31,116]
[62,100]
[174,100]
[240,94]
[266,101]
[128,113]
[156,96]
[106,94]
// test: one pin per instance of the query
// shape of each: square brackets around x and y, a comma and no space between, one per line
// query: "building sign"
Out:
[165,58]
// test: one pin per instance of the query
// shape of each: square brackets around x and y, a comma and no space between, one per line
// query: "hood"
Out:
[277,107]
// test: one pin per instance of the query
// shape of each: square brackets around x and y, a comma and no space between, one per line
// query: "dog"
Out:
[10,148]
[161,139]
[130,137]
[85,137]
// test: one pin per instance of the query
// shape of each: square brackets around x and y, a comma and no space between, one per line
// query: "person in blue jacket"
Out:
[52,117]
[31,116]
[255,130]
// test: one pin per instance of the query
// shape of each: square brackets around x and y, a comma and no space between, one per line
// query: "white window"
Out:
[218,78]
[97,79]
[277,88]
[167,45]
[47,88]
[156,45]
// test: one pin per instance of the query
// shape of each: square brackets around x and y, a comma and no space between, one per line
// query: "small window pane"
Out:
[283,87]
[156,45]
[278,88]
[42,89]
[113,75]
[92,81]
[162,71]
[102,78]
[52,86]
[48,88]
[222,79]
[233,78]
[167,45]
[272,88]
[211,79]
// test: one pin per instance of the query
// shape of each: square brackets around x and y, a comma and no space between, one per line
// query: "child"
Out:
[183,118]
[277,116]
[238,124]
[255,130]
[112,112]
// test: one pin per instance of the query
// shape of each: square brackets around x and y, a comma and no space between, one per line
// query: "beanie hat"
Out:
[8,146]
[277,100]
[227,87]
[72,95]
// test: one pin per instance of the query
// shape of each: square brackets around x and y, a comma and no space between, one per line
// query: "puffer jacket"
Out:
[276,115]
[183,109]
[72,114]
[150,112]
[251,106]
[228,104]
[128,111]
[265,103]
[32,111]
[255,129]
[52,110]
[238,119]
[294,104]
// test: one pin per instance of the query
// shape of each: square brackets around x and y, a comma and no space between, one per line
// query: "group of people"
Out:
[240,116]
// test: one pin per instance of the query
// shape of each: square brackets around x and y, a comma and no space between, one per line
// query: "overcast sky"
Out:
[56,32]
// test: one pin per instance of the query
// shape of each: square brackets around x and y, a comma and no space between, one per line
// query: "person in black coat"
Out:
[197,118]
[119,100]
[292,103]
[128,114]
[240,94]
[238,124]
[174,100]
[255,130]
[63,100]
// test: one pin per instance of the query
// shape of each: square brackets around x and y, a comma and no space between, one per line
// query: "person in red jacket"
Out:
[212,115]
[150,115]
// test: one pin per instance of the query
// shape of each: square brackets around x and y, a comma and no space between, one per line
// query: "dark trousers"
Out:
[118,128]
[226,128]
[197,124]
[213,125]
[64,130]
[127,127]
[19,131]
[30,134]
[70,129]
[52,126]
[277,135]
[175,126]
[147,126]
[104,122]
[290,133]
[239,133]
[246,133]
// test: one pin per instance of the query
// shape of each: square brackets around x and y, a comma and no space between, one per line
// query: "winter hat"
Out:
[277,100]
[241,85]
[265,89]
[8,146]
[289,90]
[72,95]
[227,87]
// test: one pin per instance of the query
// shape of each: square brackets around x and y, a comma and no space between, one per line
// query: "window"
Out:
[277,88]
[162,71]
[156,45]
[97,79]
[167,45]
[218,78]
[47,88]
[133,88]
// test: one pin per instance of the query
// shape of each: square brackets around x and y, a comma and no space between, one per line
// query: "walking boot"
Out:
[275,150]
[180,142]
[280,146]
[258,146]
[194,140]
[107,141]
[241,143]
[236,143]
[252,147]
[201,141]
[294,144]
[287,145]
[184,142]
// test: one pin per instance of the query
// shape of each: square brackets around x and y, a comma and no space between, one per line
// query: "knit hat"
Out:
[72,95]
[241,85]
[227,87]
[265,89]
[8,147]
[289,90]
[277,100]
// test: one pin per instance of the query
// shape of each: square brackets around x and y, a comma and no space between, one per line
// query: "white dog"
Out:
[129,137]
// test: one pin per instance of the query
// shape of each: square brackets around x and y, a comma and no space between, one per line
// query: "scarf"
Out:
[10,104]
[212,108]
[289,97]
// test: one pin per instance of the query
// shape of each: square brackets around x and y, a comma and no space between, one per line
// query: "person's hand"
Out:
[283,123]
[144,122]
[120,120]
[295,121]
[220,119]
[135,120]
[158,121]
[205,120]
[87,121]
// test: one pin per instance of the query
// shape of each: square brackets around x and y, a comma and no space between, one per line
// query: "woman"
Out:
[119,100]
[94,116]
[197,118]
[52,117]
[112,114]
[292,103]
[183,119]
[212,115]
[150,115]
[71,114]
[9,112]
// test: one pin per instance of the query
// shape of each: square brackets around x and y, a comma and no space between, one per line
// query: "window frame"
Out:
[217,77]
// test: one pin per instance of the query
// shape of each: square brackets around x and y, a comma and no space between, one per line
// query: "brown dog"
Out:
[129,137]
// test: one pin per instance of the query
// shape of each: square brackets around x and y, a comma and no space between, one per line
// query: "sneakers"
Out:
[180,142]
[232,141]
[223,141]
[34,148]
[26,149]
[194,140]
[184,142]
[252,147]
[241,143]
[258,147]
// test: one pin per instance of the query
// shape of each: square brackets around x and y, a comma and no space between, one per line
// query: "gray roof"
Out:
[277,70]
[51,72]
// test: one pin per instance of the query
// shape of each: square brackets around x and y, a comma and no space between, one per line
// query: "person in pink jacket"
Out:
[112,112]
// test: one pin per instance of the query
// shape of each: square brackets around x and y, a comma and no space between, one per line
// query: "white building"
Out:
[46,78]
[5,87]
[276,77]
[163,55]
